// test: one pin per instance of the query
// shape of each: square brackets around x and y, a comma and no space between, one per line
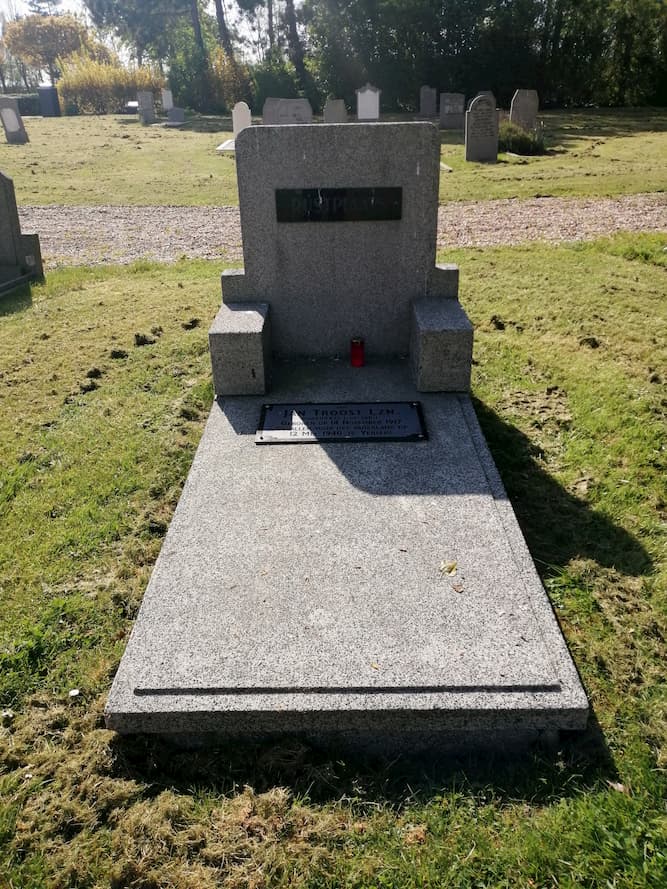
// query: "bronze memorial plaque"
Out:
[344,422]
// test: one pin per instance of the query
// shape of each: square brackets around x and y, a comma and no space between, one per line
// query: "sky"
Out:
[11,6]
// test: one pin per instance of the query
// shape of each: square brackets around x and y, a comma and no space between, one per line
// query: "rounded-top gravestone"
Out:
[481,134]
[241,118]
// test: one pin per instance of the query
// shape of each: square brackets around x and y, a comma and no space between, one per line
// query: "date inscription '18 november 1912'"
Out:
[338,204]
[346,422]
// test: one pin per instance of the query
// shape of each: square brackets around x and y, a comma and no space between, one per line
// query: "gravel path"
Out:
[96,235]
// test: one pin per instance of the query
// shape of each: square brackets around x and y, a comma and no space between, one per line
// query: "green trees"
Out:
[571,51]
[41,40]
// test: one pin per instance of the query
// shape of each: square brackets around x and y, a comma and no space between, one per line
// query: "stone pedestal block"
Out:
[440,346]
[444,281]
[239,340]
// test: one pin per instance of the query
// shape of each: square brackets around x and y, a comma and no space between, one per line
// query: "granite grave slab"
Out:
[364,582]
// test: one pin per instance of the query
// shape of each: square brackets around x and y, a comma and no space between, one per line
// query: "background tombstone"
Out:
[12,121]
[241,118]
[167,100]
[146,107]
[49,105]
[452,111]
[523,112]
[428,101]
[292,111]
[481,93]
[368,102]
[481,134]
[175,117]
[20,255]
[270,111]
[335,111]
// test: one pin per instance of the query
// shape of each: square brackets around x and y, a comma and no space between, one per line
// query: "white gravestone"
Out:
[335,111]
[428,99]
[368,102]
[12,121]
[167,100]
[452,111]
[481,134]
[523,112]
[241,118]
[291,111]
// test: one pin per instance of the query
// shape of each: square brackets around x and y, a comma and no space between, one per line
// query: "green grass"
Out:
[113,160]
[569,382]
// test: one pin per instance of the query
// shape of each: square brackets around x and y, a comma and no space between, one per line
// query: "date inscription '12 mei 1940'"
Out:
[346,422]
[338,204]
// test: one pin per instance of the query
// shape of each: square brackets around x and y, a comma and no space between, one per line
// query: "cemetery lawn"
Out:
[113,160]
[104,390]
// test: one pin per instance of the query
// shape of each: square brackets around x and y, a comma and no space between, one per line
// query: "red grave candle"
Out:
[357,353]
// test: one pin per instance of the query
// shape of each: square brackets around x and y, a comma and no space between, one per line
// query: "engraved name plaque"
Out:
[338,204]
[346,422]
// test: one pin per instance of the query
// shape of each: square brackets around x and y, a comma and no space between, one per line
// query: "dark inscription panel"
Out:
[338,204]
[346,422]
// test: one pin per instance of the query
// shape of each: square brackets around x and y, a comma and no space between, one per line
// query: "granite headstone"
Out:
[20,256]
[481,130]
[167,100]
[335,111]
[452,111]
[524,109]
[428,100]
[12,121]
[146,107]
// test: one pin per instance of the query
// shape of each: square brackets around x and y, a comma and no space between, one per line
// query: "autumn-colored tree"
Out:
[40,40]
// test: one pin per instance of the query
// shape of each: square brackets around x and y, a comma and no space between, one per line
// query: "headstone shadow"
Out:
[545,775]
[558,526]
[18,300]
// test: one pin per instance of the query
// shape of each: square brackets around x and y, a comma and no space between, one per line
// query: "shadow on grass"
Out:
[545,774]
[16,300]
[558,527]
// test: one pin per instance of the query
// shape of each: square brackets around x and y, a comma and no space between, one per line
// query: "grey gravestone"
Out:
[241,118]
[428,101]
[270,111]
[481,131]
[12,121]
[452,111]
[293,111]
[335,111]
[524,109]
[368,102]
[146,107]
[167,100]
[312,248]
[364,579]
[20,256]
[49,104]
[175,117]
